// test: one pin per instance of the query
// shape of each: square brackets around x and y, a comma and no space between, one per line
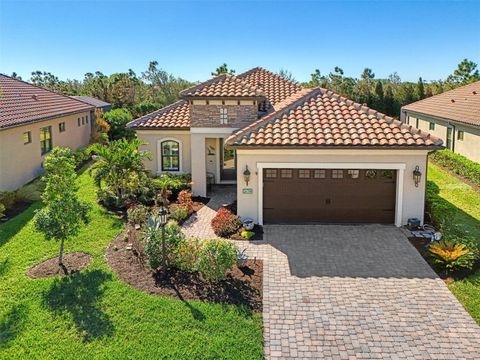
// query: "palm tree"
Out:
[119,166]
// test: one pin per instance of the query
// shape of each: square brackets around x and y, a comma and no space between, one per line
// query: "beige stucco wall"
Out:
[21,163]
[468,147]
[200,137]
[412,197]
[153,138]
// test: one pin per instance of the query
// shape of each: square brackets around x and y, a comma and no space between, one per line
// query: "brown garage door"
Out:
[328,196]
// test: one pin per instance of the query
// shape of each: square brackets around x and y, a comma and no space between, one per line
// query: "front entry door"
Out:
[228,163]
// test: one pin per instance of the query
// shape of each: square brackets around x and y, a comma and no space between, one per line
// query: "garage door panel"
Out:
[369,197]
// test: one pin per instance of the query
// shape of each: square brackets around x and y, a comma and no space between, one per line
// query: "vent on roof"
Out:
[453,100]
[34,97]
[474,92]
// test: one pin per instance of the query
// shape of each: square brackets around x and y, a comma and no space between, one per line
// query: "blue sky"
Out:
[190,39]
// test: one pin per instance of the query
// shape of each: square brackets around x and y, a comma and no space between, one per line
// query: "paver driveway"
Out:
[357,292]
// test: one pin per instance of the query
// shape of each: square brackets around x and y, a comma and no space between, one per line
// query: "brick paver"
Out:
[350,292]
[198,225]
[356,292]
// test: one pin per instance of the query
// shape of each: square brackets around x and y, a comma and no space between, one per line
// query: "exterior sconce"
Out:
[417,175]
[246,175]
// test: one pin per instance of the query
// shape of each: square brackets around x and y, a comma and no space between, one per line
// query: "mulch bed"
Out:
[257,229]
[421,243]
[243,286]
[72,262]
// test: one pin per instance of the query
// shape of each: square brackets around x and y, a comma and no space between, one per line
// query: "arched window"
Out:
[170,155]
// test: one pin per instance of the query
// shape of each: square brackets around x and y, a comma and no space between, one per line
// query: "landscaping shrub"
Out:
[438,210]
[179,212]
[225,223]
[216,257]
[152,237]
[30,192]
[187,253]
[458,164]
[7,198]
[2,210]
[137,214]
[453,255]
[247,234]
[81,155]
[185,199]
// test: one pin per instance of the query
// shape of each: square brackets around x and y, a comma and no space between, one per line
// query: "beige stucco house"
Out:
[453,116]
[33,121]
[296,155]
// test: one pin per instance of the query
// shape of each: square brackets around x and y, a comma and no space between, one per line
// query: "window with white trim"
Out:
[170,155]
[223,116]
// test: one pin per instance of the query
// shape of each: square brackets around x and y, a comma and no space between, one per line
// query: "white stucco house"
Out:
[296,155]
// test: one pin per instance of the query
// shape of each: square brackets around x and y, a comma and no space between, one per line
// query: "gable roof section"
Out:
[174,116]
[461,104]
[224,85]
[91,101]
[321,118]
[275,87]
[23,103]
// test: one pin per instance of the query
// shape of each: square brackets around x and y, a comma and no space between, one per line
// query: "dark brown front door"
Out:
[329,196]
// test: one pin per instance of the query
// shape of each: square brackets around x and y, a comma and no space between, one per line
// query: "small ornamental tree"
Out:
[63,213]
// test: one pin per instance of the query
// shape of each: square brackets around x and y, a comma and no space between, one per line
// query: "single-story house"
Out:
[453,116]
[296,155]
[98,105]
[33,120]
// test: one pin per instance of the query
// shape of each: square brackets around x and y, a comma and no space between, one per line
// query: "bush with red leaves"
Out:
[225,223]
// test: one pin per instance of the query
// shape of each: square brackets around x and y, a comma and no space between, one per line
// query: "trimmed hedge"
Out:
[438,210]
[458,164]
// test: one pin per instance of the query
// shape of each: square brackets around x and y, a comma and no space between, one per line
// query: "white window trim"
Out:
[159,155]
[400,167]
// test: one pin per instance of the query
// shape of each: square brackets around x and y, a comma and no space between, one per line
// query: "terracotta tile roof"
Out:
[461,104]
[224,85]
[176,115]
[275,88]
[23,103]
[321,118]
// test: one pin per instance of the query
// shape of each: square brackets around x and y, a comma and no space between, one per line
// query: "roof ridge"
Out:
[263,121]
[45,89]
[442,94]
[271,73]
[203,84]
[156,112]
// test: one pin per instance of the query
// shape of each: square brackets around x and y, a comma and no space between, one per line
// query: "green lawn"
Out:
[467,200]
[92,314]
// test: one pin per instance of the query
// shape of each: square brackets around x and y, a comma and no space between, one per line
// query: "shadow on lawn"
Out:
[10,228]
[79,295]
[468,222]
[11,324]
[4,266]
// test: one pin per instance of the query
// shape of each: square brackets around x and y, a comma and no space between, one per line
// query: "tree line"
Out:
[155,88]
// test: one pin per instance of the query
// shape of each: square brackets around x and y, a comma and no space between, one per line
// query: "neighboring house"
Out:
[33,121]
[98,104]
[309,155]
[453,116]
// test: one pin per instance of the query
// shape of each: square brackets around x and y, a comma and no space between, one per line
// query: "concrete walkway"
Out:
[356,292]
[198,225]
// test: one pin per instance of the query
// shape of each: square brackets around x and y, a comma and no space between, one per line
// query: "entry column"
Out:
[199,174]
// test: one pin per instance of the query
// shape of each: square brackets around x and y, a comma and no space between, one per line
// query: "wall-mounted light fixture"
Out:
[417,175]
[246,175]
